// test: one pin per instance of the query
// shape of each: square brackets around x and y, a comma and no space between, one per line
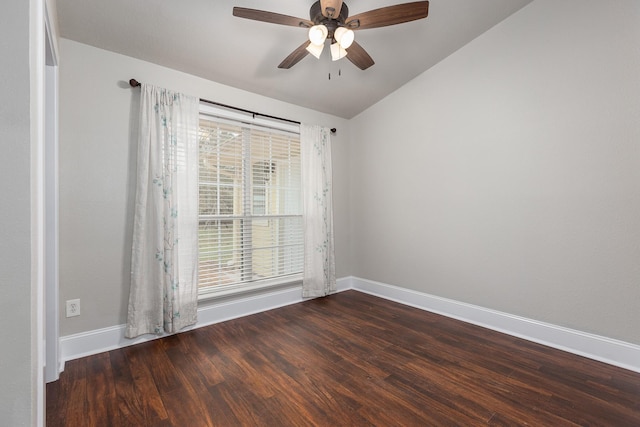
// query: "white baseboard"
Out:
[603,349]
[106,339]
[614,352]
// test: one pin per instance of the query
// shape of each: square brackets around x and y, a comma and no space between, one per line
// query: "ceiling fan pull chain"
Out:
[339,73]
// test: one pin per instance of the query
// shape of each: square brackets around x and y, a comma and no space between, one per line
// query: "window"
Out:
[250,209]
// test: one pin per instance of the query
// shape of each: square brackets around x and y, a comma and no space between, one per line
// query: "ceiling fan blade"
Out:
[359,56]
[295,56]
[330,8]
[390,15]
[271,17]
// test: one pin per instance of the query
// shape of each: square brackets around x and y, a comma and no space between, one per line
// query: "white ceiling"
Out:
[203,38]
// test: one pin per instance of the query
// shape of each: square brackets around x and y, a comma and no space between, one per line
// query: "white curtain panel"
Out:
[319,259]
[164,264]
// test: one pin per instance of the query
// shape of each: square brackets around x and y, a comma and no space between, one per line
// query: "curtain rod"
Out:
[135,83]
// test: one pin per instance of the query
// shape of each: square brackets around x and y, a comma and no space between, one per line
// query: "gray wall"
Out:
[16,359]
[508,176]
[98,122]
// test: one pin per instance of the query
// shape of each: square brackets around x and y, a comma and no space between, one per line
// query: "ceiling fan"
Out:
[330,20]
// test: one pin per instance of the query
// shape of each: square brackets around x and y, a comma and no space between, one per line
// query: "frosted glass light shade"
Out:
[344,36]
[318,34]
[337,52]
[315,49]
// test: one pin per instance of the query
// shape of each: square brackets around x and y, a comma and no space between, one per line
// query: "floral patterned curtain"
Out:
[319,260]
[164,289]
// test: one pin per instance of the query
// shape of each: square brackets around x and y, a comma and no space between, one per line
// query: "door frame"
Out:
[50,186]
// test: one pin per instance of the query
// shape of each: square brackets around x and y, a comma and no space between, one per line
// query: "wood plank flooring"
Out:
[349,359]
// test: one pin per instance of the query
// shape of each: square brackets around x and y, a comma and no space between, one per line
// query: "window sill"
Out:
[213,292]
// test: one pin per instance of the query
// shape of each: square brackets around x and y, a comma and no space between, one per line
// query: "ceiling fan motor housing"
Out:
[315,15]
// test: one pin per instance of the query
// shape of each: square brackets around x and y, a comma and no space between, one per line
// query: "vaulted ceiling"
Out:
[203,38]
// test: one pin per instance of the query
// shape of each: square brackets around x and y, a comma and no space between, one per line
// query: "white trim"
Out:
[52,344]
[213,292]
[603,349]
[344,284]
[111,338]
[37,66]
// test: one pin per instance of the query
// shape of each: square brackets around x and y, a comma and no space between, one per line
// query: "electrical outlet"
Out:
[73,307]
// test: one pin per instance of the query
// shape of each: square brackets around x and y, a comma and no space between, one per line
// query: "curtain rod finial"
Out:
[334,130]
[134,83]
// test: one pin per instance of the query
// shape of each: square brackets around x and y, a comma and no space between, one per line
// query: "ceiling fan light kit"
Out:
[337,52]
[318,34]
[329,19]
[315,49]
[344,37]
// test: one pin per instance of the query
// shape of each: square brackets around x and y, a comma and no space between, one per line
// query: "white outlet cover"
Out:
[73,307]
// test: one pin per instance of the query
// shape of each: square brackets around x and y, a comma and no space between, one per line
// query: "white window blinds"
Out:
[250,211]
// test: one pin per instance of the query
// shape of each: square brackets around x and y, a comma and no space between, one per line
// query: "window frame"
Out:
[224,115]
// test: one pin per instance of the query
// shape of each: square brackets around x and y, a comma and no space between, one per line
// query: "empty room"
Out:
[323,213]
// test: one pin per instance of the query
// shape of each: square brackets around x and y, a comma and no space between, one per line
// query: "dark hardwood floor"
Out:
[349,359]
